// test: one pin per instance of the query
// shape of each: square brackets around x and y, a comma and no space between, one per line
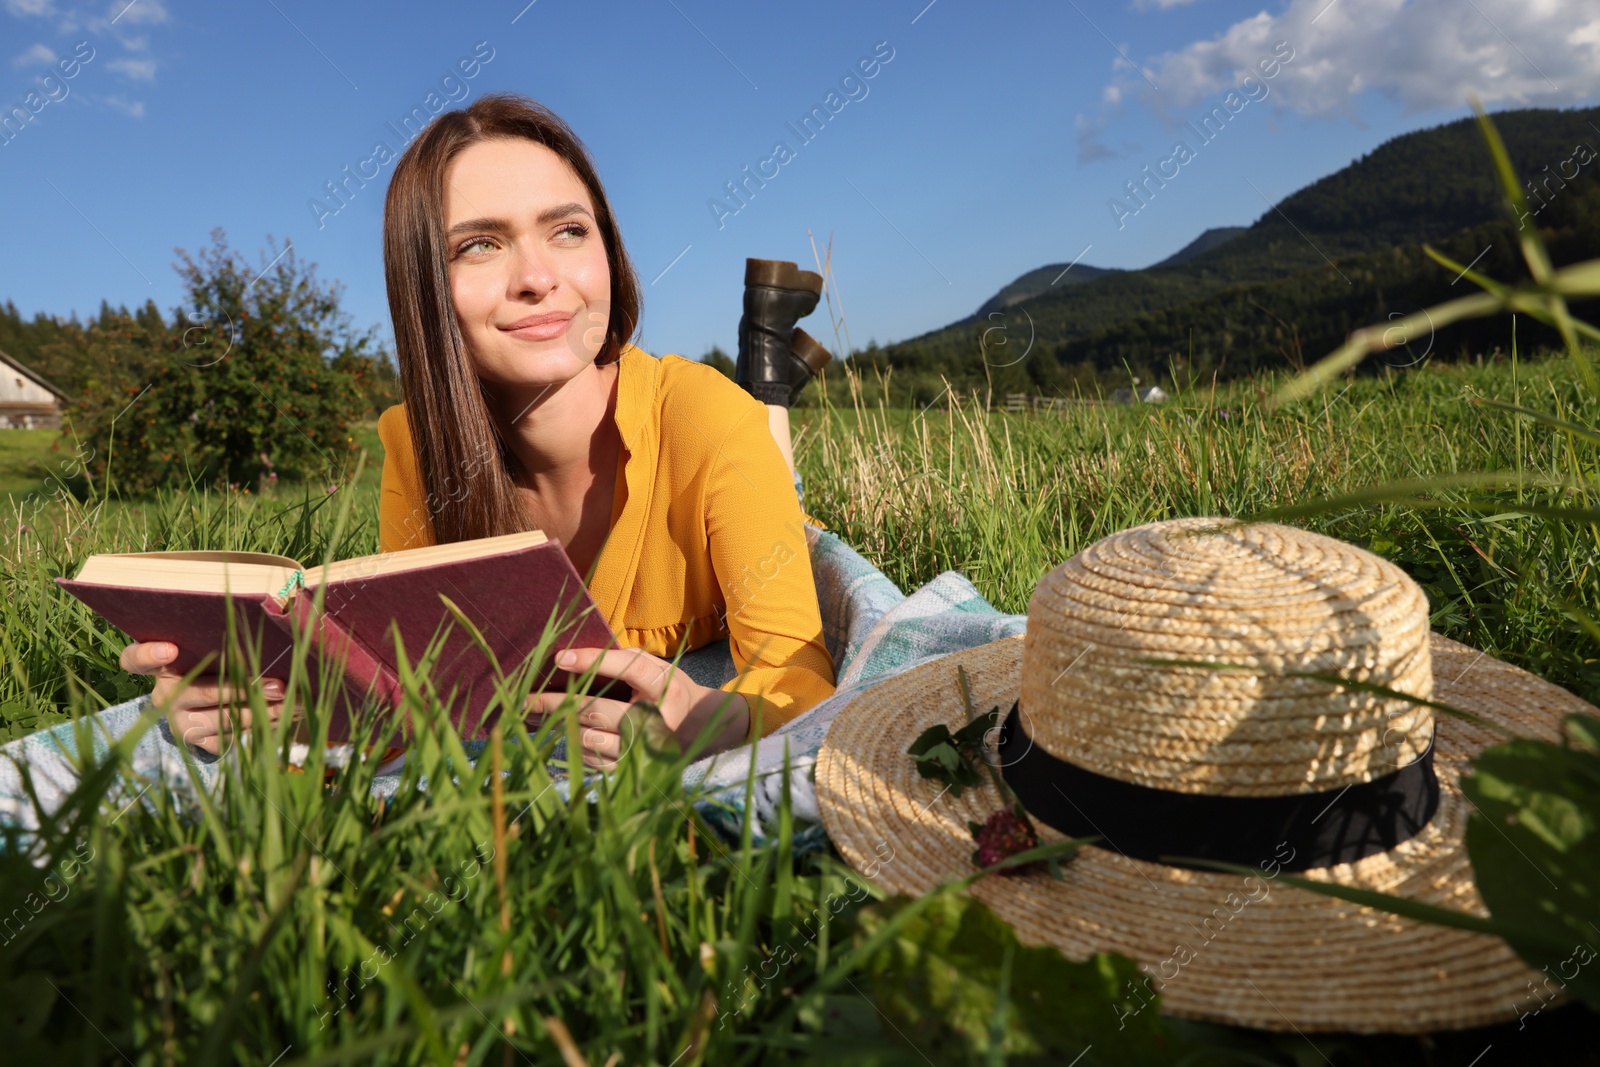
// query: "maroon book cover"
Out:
[508,597]
[363,670]
[196,622]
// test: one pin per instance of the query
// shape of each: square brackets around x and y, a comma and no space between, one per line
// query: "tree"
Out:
[719,359]
[261,372]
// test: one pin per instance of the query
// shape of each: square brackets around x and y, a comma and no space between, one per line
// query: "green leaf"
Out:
[1535,847]
[940,756]
[970,737]
[930,738]
[1584,732]
[939,981]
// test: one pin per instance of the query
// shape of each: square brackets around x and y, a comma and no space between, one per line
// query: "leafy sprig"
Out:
[955,758]
[952,758]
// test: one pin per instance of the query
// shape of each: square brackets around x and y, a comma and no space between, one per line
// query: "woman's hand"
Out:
[196,713]
[687,708]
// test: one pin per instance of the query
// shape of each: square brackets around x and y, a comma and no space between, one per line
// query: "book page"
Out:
[415,558]
[251,573]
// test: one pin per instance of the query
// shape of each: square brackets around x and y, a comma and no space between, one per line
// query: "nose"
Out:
[530,274]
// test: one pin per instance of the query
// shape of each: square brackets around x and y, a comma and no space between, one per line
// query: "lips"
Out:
[540,327]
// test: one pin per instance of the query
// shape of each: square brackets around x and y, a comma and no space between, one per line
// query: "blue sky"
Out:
[990,143]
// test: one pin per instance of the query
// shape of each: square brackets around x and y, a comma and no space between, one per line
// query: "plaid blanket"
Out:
[873,631]
[871,628]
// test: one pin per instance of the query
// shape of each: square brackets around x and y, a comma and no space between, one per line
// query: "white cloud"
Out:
[142,70]
[132,108]
[23,8]
[1424,54]
[39,55]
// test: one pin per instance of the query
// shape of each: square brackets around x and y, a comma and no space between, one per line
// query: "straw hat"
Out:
[1254,766]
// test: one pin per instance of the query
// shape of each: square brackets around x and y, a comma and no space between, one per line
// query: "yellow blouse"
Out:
[707,537]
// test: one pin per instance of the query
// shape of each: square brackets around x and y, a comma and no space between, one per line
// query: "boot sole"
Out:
[781,274]
[809,350]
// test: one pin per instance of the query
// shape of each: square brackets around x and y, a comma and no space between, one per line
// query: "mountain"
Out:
[1213,237]
[1060,275]
[1041,281]
[1427,186]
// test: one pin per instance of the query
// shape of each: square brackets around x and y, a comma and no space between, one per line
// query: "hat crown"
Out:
[1271,601]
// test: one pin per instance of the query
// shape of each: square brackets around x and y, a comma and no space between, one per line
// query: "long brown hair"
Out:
[467,470]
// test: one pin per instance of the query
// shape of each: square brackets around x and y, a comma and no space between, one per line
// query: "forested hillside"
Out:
[1249,302]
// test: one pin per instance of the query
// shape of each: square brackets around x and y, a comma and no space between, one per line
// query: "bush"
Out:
[262,376]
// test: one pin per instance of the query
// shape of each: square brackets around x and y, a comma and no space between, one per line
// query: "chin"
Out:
[535,363]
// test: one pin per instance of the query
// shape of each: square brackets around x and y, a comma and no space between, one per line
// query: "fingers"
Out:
[148,657]
[543,705]
[600,713]
[650,676]
[208,692]
[596,744]
[208,713]
[601,745]
[203,730]
[598,735]
[210,728]
[603,715]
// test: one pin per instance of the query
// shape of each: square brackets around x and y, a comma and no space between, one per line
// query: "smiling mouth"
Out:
[539,327]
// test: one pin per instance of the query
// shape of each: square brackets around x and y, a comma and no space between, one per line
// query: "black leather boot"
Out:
[777,294]
[809,359]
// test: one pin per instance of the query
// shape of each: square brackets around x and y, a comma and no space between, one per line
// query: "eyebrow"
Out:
[548,215]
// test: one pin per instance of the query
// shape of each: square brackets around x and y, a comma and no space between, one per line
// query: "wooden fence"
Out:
[1017,403]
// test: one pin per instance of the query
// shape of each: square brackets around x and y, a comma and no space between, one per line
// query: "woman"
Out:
[526,407]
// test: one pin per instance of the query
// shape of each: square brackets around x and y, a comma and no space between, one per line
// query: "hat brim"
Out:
[1218,947]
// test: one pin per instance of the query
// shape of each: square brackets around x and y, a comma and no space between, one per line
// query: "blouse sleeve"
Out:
[403,519]
[756,534]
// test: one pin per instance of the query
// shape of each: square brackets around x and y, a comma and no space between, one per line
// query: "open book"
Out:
[508,587]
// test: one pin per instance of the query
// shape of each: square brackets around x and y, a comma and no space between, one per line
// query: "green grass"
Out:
[276,917]
[25,460]
[1004,498]
[32,460]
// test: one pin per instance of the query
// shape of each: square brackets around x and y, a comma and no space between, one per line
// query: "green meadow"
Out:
[1002,498]
[505,918]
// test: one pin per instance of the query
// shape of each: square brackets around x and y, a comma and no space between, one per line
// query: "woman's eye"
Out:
[574,230]
[476,244]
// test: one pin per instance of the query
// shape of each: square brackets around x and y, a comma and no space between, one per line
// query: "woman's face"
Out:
[528,268]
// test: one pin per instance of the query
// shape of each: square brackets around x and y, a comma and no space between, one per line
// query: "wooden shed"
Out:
[27,401]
